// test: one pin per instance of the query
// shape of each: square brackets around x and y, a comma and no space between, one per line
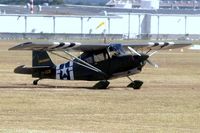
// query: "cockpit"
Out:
[93,57]
[115,50]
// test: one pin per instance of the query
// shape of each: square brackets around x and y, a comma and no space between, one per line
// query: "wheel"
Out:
[101,85]
[35,82]
[136,84]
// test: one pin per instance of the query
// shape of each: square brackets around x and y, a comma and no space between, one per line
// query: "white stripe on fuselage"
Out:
[71,72]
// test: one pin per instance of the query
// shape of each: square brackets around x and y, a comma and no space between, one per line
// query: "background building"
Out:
[85,20]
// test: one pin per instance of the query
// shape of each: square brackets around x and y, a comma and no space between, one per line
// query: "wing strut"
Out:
[86,65]
[82,61]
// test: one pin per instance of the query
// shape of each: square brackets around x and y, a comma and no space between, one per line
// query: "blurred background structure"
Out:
[128,19]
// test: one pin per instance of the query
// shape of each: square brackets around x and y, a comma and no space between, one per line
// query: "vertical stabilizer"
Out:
[41,58]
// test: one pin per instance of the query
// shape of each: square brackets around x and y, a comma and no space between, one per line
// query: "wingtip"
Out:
[20,46]
[13,48]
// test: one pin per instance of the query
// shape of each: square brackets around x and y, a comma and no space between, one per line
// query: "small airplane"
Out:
[98,62]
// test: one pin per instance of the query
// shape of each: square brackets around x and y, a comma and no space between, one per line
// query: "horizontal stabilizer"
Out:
[28,70]
[23,70]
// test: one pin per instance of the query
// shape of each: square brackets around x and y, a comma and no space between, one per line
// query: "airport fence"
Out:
[52,36]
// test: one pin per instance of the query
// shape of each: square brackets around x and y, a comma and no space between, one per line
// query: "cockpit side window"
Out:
[89,60]
[87,57]
[94,57]
[100,57]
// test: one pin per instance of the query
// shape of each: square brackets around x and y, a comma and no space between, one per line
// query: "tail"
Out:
[41,58]
[42,66]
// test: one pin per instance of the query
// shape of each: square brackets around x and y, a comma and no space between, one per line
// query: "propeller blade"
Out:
[153,53]
[133,51]
[152,64]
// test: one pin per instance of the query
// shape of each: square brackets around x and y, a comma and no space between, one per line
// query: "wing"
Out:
[158,45]
[76,46]
[59,46]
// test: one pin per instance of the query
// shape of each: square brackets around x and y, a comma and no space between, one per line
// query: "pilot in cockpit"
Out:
[115,51]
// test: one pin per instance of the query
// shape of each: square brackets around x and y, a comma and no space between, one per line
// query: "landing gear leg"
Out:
[136,84]
[35,82]
[103,84]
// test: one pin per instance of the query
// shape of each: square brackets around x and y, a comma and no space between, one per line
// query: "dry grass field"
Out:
[169,101]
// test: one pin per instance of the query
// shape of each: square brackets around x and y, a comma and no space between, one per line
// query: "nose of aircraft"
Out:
[143,57]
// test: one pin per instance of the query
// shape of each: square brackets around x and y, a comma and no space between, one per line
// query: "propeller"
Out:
[133,51]
[153,53]
[152,64]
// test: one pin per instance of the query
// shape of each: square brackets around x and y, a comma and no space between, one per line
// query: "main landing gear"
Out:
[136,84]
[35,82]
[103,84]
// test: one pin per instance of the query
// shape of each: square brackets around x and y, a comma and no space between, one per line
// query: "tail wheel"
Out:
[35,82]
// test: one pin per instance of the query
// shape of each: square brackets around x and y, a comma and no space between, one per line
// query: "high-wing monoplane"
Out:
[98,62]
